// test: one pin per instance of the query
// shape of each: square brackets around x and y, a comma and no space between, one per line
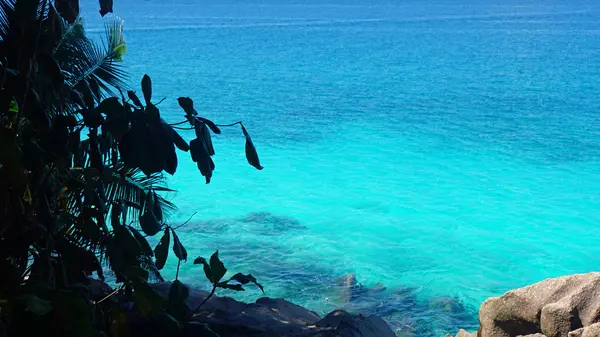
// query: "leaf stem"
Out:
[178,123]
[188,220]
[206,299]
[177,272]
[232,124]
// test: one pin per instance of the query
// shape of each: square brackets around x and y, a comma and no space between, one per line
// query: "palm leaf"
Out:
[83,60]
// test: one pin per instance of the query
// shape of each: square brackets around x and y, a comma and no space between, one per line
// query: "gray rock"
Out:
[589,331]
[533,335]
[463,333]
[552,307]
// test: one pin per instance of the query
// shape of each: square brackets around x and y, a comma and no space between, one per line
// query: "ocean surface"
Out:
[449,150]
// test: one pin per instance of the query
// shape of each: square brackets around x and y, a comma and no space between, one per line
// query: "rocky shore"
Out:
[566,306]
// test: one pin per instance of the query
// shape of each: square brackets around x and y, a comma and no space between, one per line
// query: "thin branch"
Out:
[178,123]
[177,273]
[183,224]
[180,128]
[160,101]
[232,124]
[109,295]
[206,299]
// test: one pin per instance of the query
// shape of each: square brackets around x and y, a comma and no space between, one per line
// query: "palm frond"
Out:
[83,60]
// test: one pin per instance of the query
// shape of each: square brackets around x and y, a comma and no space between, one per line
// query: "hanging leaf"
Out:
[162,249]
[147,89]
[106,6]
[150,225]
[211,125]
[217,267]
[158,213]
[133,97]
[146,249]
[187,105]
[207,270]
[203,134]
[178,248]
[251,154]
[175,137]
[202,158]
[68,9]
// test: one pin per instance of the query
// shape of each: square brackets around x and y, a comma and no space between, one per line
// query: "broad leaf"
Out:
[187,105]
[245,279]
[235,286]
[162,249]
[146,249]
[202,158]
[178,248]
[217,267]
[211,125]
[133,97]
[207,270]
[149,223]
[251,154]
[147,89]
[68,9]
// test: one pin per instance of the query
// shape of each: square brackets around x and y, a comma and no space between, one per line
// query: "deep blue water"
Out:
[449,150]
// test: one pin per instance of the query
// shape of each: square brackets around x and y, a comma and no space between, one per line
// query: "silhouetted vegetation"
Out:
[81,174]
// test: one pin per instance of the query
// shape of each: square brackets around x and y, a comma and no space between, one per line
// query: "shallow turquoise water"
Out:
[450,151]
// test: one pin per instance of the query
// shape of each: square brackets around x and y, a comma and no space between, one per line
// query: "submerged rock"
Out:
[553,307]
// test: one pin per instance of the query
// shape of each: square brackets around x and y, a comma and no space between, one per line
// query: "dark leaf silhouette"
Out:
[187,105]
[147,89]
[156,209]
[146,249]
[162,249]
[175,137]
[150,225]
[245,279]
[133,97]
[211,125]
[68,9]
[202,158]
[217,267]
[207,270]
[251,154]
[178,248]
[106,6]
[204,135]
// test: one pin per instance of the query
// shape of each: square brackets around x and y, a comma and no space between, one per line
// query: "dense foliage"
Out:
[81,176]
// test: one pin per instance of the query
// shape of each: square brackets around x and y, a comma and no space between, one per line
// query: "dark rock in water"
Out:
[273,318]
[271,224]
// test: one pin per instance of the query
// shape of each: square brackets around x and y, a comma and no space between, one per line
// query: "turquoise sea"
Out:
[449,150]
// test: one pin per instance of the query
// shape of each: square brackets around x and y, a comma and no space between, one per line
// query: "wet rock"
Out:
[553,307]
